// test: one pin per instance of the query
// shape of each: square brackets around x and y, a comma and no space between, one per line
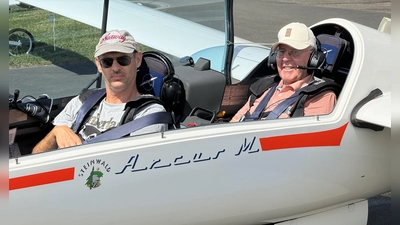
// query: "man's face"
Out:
[119,69]
[287,61]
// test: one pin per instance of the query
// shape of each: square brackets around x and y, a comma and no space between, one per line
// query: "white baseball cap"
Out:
[297,35]
[116,41]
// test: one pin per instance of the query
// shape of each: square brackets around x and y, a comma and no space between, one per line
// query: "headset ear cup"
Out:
[312,61]
[172,95]
[321,59]
[272,60]
[317,59]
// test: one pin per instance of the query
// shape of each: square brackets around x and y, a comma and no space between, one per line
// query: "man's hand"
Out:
[65,137]
[59,137]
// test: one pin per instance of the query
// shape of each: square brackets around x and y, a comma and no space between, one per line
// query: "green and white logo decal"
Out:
[93,181]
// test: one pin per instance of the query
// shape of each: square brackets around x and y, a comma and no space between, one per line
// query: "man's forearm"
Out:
[47,143]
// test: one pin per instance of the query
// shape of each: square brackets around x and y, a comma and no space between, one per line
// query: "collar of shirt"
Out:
[296,85]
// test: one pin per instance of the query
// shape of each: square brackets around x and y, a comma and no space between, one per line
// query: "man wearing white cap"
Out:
[118,59]
[295,56]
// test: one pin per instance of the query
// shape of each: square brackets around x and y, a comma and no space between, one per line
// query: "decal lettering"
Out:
[219,152]
[127,165]
[199,159]
[247,147]
[158,164]
[94,162]
[132,164]
[176,163]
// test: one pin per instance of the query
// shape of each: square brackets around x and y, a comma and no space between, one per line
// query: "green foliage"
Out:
[67,42]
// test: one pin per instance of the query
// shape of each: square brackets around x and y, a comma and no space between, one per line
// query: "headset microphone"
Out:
[307,68]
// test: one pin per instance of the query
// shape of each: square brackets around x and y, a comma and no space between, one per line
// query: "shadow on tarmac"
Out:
[77,63]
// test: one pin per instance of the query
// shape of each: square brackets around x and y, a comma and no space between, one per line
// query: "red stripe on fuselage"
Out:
[315,139]
[41,178]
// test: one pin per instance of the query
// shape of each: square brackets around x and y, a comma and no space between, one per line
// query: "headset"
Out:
[172,92]
[316,62]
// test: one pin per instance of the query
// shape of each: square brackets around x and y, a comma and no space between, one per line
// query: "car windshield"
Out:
[51,51]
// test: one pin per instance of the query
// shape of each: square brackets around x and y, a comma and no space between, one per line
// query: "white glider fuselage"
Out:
[229,173]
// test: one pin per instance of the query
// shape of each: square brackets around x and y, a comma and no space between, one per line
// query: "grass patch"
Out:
[67,42]
[71,42]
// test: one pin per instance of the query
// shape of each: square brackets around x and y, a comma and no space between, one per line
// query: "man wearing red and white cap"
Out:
[296,44]
[117,58]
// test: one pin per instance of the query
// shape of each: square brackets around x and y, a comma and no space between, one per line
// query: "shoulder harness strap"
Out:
[128,125]
[319,86]
[134,106]
[132,126]
[89,99]
[261,85]
[258,88]
[92,97]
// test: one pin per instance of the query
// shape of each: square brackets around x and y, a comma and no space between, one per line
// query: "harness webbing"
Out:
[87,105]
[280,108]
[257,112]
[134,125]
[94,98]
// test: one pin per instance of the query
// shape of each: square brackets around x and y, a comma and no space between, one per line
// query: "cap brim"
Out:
[106,49]
[293,44]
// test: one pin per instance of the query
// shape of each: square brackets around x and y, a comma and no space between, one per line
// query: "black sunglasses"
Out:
[122,60]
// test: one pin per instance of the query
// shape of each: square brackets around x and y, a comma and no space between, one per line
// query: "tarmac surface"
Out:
[383,6]
[261,20]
